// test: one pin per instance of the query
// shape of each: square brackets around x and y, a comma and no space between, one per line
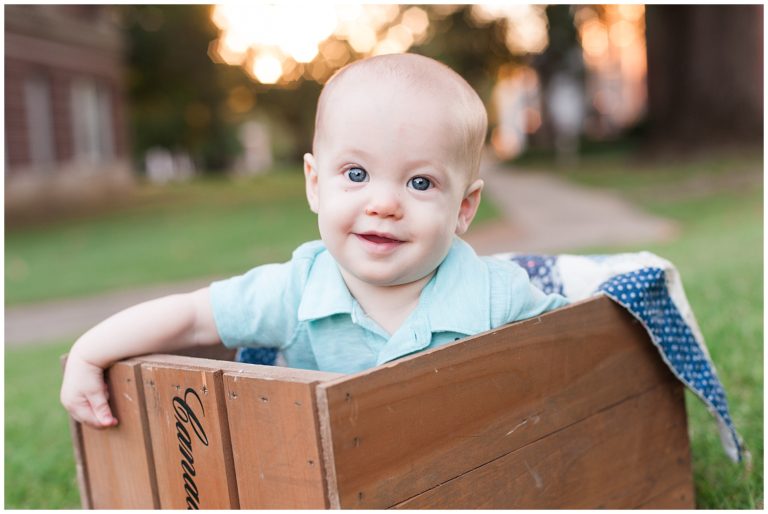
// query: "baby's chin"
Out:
[385,279]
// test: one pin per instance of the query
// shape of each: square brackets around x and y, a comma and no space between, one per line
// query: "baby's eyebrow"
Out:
[355,152]
[420,163]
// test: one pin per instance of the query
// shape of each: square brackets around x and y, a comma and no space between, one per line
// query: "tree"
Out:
[562,56]
[705,74]
[176,92]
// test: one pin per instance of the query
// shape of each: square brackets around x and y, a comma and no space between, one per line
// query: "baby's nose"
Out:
[385,204]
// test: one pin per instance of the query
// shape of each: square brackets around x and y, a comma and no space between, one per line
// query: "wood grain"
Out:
[122,471]
[622,457]
[118,460]
[678,496]
[400,429]
[275,440]
[81,472]
[188,423]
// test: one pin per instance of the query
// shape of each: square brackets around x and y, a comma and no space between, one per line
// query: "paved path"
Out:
[545,214]
[62,319]
[542,214]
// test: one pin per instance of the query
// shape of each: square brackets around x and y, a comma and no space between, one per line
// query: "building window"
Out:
[92,121]
[37,107]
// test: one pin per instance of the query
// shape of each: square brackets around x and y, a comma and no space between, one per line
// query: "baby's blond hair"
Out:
[426,74]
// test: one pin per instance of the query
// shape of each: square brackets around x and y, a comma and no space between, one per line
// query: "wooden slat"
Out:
[81,473]
[679,496]
[398,430]
[118,460]
[274,427]
[123,469]
[188,424]
[616,459]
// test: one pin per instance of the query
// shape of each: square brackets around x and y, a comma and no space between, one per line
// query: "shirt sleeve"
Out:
[259,308]
[515,297]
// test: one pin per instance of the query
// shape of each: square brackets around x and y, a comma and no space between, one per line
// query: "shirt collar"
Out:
[325,292]
[457,298]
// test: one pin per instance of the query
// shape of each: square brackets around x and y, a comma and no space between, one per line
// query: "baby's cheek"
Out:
[448,217]
[336,216]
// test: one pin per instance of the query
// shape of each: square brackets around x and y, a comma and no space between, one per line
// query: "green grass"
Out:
[721,261]
[205,228]
[39,462]
[719,254]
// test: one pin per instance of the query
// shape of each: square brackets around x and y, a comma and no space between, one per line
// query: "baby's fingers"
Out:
[84,393]
[101,411]
[93,411]
[84,414]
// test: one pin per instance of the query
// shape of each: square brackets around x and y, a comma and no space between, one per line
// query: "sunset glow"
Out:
[613,42]
[526,25]
[281,43]
[267,68]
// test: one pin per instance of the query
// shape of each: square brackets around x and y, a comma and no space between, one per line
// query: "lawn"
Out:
[39,463]
[204,228]
[719,254]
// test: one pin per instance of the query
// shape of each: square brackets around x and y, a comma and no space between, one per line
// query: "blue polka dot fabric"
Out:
[264,356]
[542,271]
[644,294]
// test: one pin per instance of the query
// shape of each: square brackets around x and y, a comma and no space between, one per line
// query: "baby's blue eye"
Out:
[357,174]
[420,183]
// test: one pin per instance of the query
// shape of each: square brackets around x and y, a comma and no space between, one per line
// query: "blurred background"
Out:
[151,148]
[97,96]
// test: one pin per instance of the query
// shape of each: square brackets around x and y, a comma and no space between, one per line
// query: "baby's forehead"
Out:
[377,112]
[364,96]
[419,77]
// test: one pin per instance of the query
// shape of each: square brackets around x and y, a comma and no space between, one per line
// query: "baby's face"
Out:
[388,182]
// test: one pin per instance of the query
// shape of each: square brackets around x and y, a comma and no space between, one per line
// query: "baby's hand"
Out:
[84,393]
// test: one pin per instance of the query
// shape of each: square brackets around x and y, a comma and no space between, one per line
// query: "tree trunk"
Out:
[705,74]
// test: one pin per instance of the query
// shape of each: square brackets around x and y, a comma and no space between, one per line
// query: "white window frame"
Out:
[39,118]
[92,125]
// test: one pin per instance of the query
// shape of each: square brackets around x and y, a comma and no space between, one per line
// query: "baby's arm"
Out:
[163,325]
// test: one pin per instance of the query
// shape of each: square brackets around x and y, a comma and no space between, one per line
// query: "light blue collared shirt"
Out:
[303,307]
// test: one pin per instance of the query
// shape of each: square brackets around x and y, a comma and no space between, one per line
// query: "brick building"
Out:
[65,120]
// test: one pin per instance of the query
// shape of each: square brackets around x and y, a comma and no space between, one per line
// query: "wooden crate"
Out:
[572,409]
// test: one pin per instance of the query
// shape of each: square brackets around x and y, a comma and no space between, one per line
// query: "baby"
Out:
[393,179]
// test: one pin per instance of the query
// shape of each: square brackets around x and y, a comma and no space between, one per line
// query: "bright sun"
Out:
[281,42]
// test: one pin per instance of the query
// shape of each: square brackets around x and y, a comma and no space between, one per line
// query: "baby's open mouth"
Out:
[379,239]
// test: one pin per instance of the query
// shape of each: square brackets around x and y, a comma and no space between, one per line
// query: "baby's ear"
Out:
[469,205]
[310,180]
